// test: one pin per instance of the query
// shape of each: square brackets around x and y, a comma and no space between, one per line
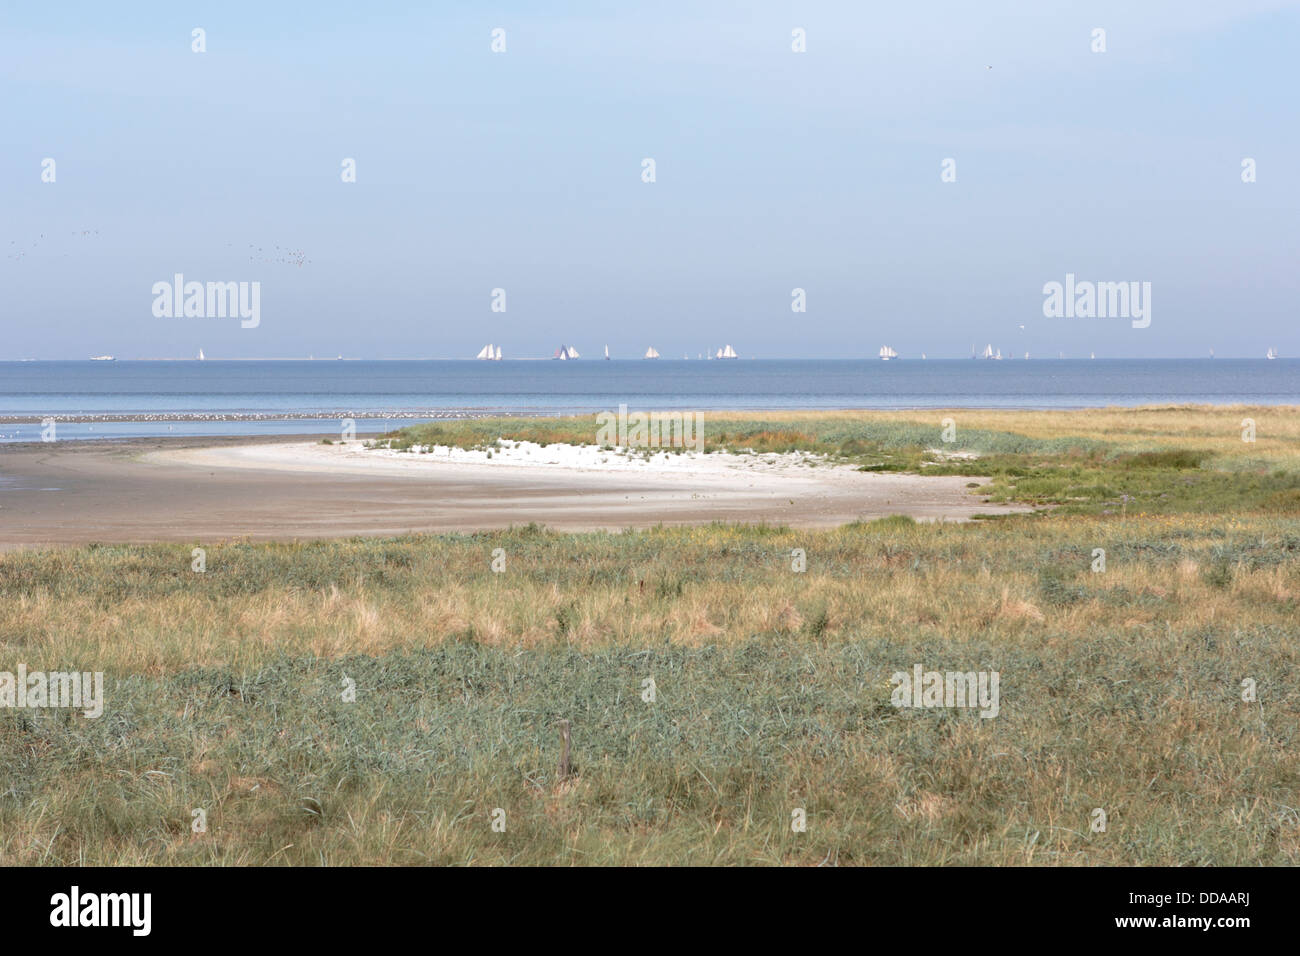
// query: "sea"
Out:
[135,399]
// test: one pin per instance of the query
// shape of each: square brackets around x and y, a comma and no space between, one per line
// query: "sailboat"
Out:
[566,352]
[201,356]
[1271,354]
[727,353]
[998,356]
[650,353]
[1092,355]
[606,353]
[988,352]
[922,355]
[886,353]
[488,352]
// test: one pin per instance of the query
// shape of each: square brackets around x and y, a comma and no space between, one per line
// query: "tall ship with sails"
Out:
[886,353]
[490,353]
[1271,354]
[566,352]
[650,353]
[727,352]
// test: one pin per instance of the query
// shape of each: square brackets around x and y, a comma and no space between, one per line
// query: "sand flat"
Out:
[205,489]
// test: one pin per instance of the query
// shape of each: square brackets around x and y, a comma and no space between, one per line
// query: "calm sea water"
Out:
[315,395]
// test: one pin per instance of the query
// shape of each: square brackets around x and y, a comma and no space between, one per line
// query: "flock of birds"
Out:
[20,253]
[281,256]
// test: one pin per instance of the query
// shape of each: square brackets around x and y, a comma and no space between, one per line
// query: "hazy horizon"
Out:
[775,170]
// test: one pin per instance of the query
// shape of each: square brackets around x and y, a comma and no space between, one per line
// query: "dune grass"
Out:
[1121,689]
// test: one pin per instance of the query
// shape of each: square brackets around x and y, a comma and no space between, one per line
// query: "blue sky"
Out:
[775,170]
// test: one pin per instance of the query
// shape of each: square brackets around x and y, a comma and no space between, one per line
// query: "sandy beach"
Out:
[205,489]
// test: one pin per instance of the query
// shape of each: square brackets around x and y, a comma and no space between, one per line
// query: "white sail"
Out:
[566,352]
[498,355]
[988,352]
[606,351]
[485,352]
[887,353]
[998,356]
[201,355]
[650,353]
[727,352]
[1272,354]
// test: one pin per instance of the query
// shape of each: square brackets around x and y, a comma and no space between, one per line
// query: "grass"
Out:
[1181,460]
[1121,689]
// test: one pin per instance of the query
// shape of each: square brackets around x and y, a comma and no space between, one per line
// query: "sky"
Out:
[775,170]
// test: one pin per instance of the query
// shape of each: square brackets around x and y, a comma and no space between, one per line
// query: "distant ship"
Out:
[102,358]
[886,353]
[1271,354]
[566,352]
[727,353]
[988,353]
[606,353]
[1092,355]
[489,353]
[201,356]
[650,353]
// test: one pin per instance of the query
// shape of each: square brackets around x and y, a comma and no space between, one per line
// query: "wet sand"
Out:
[65,493]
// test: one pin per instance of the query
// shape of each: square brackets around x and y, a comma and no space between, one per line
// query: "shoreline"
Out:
[277,488]
[480,412]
